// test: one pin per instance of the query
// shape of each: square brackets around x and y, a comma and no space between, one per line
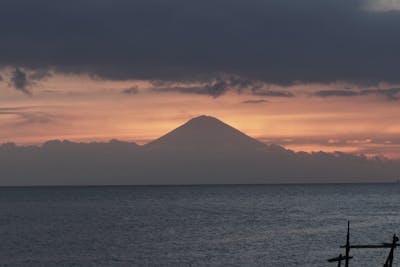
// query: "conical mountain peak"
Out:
[204,122]
[204,118]
[206,133]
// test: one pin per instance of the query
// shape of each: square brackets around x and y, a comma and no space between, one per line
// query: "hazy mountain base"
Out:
[66,163]
[202,151]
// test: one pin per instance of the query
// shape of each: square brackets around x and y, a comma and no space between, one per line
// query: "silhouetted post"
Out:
[346,257]
[389,260]
[340,261]
[347,245]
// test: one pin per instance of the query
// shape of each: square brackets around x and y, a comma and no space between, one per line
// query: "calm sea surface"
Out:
[259,225]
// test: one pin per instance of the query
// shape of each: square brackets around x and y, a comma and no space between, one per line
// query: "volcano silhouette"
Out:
[206,133]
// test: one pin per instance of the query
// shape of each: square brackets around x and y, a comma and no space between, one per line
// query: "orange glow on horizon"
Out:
[83,109]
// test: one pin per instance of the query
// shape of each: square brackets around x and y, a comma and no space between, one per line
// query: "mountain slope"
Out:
[206,133]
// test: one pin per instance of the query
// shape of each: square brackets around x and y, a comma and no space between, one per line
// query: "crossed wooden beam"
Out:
[346,258]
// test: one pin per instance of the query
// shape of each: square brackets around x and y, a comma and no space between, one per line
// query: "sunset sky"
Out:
[309,75]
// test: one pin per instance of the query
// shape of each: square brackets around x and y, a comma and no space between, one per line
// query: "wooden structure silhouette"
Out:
[339,259]
[347,257]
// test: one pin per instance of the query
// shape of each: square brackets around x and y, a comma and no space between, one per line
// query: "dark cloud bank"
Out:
[277,41]
[202,151]
[218,87]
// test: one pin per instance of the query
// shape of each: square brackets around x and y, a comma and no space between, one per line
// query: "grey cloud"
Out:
[40,74]
[25,115]
[183,90]
[217,89]
[214,88]
[233,83]
[276,41]
[272,93]
[20,81]
[390,94]
[49,91]
[11,110]
[254,101]
[131,90]
[220,86]
[35,118]
[329,93]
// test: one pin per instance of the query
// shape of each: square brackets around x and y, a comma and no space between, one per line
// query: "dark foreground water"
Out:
[260,225]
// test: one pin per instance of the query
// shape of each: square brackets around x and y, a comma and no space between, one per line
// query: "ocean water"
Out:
[243,225]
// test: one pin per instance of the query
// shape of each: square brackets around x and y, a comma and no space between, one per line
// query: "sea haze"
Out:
[242,225]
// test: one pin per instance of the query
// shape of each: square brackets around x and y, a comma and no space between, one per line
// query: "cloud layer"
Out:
[27,115]
[389,94]
[277,41]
